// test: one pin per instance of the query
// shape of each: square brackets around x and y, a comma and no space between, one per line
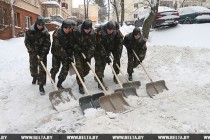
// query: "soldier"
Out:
[108,41]
[86,41]
[134,41]
[37,41]
[62,50]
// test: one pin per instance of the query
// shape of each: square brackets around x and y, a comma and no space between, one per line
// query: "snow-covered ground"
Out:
[179,55]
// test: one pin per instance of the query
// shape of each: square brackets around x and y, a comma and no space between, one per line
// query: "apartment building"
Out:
[26,12]
[132,8]
[92,12]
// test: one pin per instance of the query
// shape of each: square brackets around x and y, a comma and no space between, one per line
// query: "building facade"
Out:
[21,14]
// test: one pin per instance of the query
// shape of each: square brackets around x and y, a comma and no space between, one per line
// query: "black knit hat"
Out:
[68,23]
[40,20]
[136,31]
[87,24]
[111,25]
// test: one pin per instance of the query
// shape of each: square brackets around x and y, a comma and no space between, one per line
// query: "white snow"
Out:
[179,55]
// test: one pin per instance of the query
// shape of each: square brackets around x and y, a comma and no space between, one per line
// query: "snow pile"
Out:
[184,108]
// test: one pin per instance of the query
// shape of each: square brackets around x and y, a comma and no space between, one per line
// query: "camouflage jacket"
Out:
[37,41]
[63,44]
[85,42]
[108,43]
[137,45]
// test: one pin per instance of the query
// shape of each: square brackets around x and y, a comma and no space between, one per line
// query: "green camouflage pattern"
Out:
[139,46]
[62,52]
[85,44]
[107,44]
[37,43]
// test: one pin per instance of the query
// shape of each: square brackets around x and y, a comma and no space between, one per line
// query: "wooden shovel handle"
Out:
[83,84]
[99,81]
[142,65]
[120,70]
[116,76]
[48,74]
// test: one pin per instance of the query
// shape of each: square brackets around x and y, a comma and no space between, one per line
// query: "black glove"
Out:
[78,49]
[87,59]
[70,60]
[108,60]
[41,57]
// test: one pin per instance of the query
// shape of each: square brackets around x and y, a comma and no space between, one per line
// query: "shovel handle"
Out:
[142,65]
[120,70]
[99,81]
[116,76]
[48,74]
[83,84]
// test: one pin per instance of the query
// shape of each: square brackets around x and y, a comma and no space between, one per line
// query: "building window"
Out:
[17,19]
[27,21]
[135,15]
[136,5]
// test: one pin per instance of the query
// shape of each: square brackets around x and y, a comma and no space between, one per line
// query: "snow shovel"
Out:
[94,97]
[135,84]
[126,91]
[153,87]
[107,102]
[84,102]
[57,97]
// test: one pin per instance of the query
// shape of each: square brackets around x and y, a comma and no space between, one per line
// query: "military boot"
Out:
[41,89]
[59,84]
[130,78]
[115,80]
[99,86]
[34,80]
[81,89]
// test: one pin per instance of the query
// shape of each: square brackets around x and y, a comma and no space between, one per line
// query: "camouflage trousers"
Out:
[56,64]
[82,67]
[133,61]
[100,64]
[37,70]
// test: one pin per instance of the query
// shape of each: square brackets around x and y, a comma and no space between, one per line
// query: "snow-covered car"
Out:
[194,14]
[165,16]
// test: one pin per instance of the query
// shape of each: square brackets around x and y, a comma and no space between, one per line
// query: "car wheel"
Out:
[187,21]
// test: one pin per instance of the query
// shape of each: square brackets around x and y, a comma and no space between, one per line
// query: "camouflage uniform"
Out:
[107,44]
[62,50]
[138,46]
[38,43]
[86,45]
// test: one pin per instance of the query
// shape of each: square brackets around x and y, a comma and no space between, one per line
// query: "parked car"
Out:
[166,16]
[194,14]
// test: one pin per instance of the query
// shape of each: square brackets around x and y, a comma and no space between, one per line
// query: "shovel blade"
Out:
[85,103]
[106,103]
[127,91]
[59,98]
[95,99]
[155,87]
[135,84]
[119,102]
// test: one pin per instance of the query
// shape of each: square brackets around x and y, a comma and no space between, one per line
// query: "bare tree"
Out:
[86,8]
[150,19]
[115,6]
